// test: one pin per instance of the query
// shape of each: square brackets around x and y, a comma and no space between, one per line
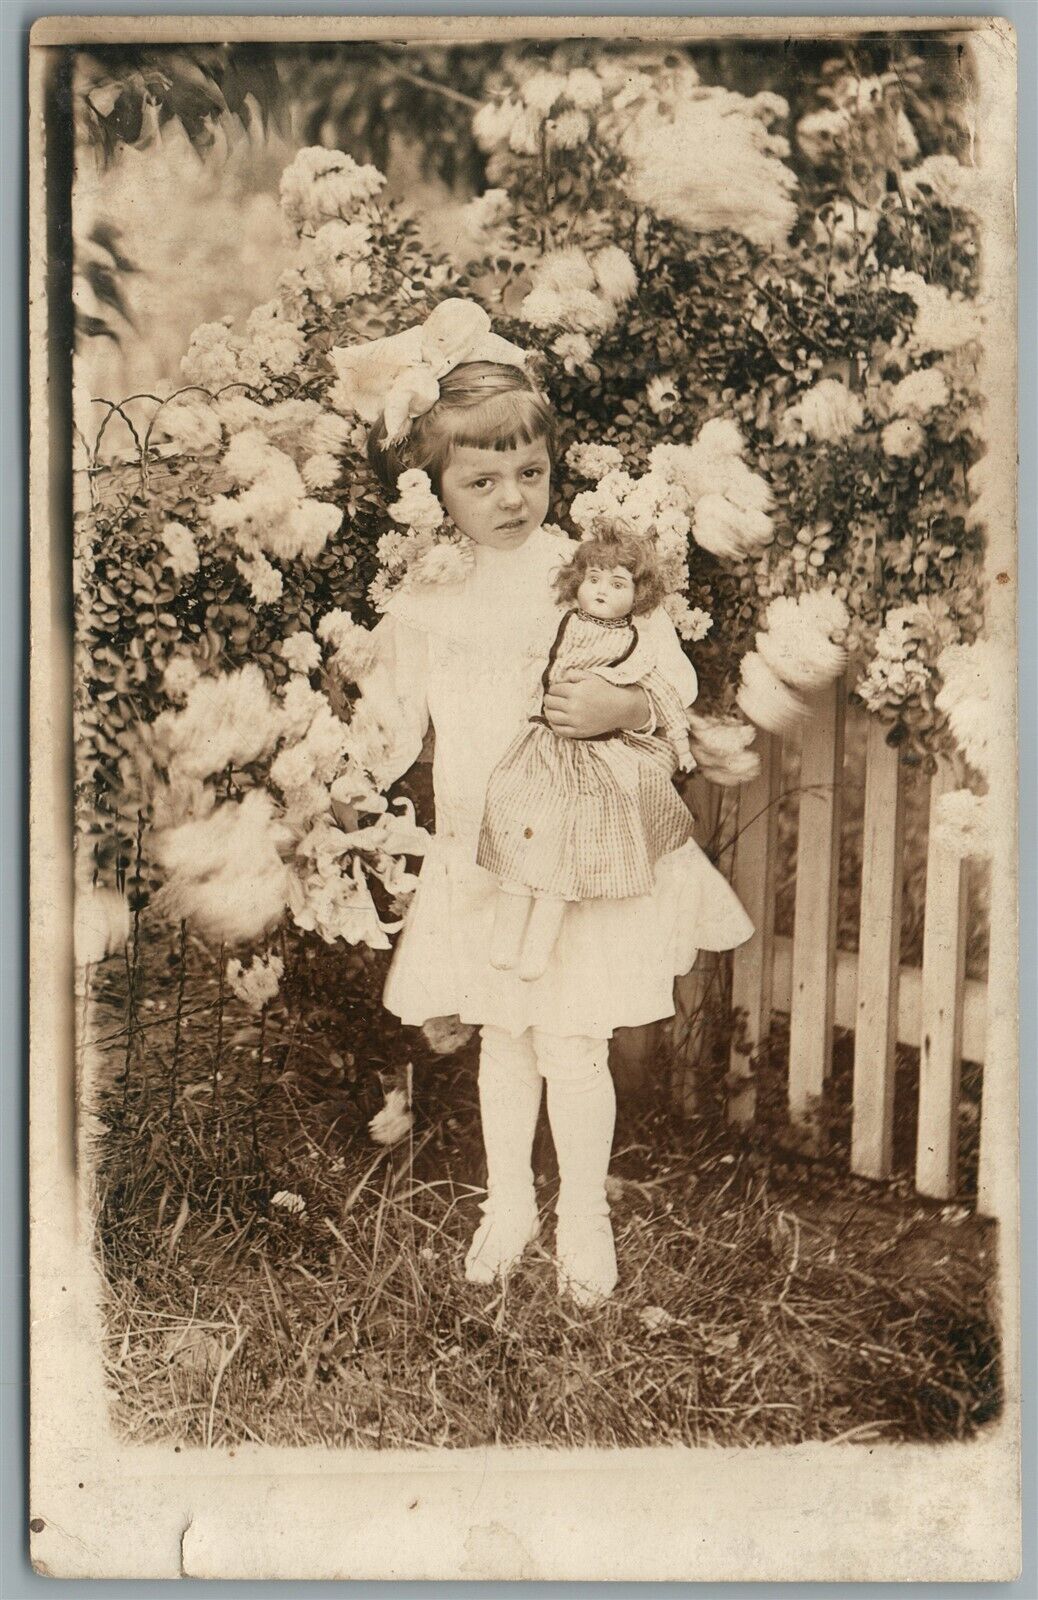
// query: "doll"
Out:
[577,819]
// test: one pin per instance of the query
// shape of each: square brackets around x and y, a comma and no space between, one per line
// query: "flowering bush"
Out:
[760,358]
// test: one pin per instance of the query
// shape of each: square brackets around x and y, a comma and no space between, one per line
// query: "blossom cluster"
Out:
[800,649]
[579,293]
[321,186]
[257,984]
[900,673]
[271,347]
[272,512]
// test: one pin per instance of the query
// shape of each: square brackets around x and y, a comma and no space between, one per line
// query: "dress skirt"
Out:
[614,963]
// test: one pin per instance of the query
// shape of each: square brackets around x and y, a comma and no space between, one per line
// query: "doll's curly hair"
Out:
[614,547]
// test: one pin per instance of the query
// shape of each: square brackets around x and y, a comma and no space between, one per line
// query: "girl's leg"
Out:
[582,1113]
[509,1100]
[511,914]
[542,930]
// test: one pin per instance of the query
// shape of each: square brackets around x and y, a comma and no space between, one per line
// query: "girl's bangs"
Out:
[500,422]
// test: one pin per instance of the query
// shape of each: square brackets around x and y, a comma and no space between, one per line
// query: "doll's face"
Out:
[607,592]
[497,497]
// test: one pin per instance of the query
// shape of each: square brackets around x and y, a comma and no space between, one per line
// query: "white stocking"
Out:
[582,1113]
[509,1101]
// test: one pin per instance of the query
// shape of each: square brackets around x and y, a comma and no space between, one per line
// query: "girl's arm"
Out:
[583,705]
[396,690]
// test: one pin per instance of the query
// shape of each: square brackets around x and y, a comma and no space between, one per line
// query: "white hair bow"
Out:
[398,378]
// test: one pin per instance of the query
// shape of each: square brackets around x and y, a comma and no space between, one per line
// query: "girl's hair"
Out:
[484,404]
[615,549]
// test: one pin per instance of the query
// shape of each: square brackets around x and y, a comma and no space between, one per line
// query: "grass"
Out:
[764,1299]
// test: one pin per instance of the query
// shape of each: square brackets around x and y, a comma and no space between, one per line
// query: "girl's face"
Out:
[607,592]
[497,497]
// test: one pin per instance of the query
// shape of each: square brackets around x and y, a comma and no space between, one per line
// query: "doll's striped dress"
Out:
[589,818]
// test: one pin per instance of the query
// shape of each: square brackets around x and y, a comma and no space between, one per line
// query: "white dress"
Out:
[467,658]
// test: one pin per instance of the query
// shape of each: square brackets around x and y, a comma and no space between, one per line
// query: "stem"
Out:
[433,88]
[133,963]
[178,1019]
[218,1049]
[259,1088]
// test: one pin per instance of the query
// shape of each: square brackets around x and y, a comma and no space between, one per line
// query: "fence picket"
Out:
[940,1044]
[753,878]
[814,926]
[690,1031]
[879,939]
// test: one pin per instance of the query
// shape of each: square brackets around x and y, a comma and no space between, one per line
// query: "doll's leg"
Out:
[542,930]
[511,914]
[509,1100]
[582,1113]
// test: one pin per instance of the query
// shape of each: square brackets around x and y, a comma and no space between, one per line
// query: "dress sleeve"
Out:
[396,689]
[671,660]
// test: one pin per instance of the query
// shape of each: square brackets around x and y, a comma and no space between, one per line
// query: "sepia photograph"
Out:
[524,763]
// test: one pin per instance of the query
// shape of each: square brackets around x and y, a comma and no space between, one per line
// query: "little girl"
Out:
[573,819]
[466,658]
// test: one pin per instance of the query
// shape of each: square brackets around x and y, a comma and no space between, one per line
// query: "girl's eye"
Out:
[481,483]
[533,472]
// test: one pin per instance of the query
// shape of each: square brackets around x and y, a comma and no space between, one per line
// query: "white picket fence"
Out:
[933,1007]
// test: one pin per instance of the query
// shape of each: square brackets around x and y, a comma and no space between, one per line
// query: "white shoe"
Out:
[499,1241]
[585,1258]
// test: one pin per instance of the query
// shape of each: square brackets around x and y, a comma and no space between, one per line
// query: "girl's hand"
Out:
[581,705]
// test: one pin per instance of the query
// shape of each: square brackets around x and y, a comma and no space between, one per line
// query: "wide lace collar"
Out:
[505,604]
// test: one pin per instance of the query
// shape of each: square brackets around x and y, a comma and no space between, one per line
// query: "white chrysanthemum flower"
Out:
[942,321]
[567,131]
[265,582]
[300,703]
[919,393]
[828,412]
[394,1122]
[903,438]
[574,350]
[615,273]
[715,739]
[798,642]
[181,550]
[487,212]
[190,423]
[766,700]
[100,924]
[180,677]
[727,530]
[975,695]
[690,622]
[257,984]
[662,393]
[224,872]
[493,122]
[963,823]
[229,720]
[354,646]
[942,178]
[320,185]
[329,435]
[714,166]
[417,506]
[593,461]
[301,651]
[583,89]
[821,135]
[212,358]
[320,471]
[542,91]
